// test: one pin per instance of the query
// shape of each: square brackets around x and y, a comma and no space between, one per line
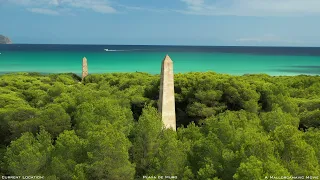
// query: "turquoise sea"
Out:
[118,58]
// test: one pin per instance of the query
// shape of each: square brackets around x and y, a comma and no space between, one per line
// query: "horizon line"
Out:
[164,45]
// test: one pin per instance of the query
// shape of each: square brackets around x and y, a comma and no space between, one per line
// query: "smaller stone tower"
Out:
[166,98]
[84,68]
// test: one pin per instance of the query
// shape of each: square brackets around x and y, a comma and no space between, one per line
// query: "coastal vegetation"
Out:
[5,40]
[108,126]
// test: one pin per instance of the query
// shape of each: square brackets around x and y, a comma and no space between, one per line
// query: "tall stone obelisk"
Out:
[167,101]
[84,68]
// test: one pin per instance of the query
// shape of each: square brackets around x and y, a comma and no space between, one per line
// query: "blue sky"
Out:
[163,22]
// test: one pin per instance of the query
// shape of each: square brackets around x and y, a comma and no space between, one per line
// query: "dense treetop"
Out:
[108,126]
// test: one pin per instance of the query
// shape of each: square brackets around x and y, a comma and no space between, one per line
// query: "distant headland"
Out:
[5,40]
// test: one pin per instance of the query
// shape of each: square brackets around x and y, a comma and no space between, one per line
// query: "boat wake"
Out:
[110,50]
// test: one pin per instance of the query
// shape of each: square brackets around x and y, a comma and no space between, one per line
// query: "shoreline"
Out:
[158,74]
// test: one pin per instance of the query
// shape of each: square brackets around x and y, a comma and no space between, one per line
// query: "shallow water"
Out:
[230,60]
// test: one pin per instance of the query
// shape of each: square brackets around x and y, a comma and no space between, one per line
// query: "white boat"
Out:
[111,50]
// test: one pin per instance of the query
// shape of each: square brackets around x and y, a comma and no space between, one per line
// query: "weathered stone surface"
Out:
[167,101]
[84,68]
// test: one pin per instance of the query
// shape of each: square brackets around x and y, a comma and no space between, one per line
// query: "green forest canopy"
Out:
[108,127]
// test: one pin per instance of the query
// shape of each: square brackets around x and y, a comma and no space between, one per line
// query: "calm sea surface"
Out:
[119,58]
